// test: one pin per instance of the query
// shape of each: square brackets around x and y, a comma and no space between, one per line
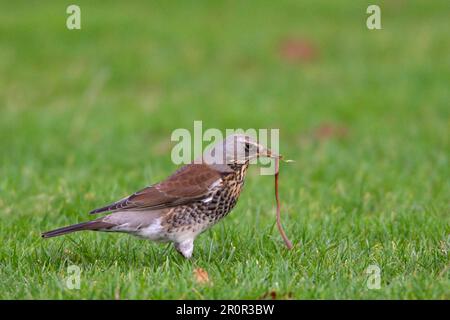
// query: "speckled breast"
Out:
[199,216]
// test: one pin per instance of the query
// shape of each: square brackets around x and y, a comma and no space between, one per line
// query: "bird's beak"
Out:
[265,152]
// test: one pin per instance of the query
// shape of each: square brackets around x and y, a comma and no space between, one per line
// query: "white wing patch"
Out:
[207,200]
[215,184]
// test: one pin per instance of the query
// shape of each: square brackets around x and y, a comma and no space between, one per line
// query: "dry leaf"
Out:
[201,276]
[272,295]
[327,131]
[297,50]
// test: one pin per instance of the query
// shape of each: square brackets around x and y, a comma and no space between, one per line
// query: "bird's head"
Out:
[237,148]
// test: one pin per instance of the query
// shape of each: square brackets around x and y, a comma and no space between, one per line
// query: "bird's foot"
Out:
[185,248]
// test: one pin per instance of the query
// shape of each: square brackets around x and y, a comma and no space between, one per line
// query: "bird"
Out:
[190,201]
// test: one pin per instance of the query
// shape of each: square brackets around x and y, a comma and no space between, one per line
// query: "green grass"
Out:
[86,118]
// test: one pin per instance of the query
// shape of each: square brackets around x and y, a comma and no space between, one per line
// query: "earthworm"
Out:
[280,227]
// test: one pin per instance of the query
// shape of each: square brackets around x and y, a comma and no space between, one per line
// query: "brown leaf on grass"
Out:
[201,276]
[327,131]
[272,295]
[296,50]
[323,132]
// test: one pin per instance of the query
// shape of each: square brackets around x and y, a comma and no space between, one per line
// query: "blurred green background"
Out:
[86,117]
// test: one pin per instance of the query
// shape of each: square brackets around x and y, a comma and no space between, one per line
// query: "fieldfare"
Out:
[187,203]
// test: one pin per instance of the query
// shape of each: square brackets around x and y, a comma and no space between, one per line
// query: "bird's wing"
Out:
[190,183]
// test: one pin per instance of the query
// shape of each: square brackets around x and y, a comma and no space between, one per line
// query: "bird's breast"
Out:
[196,217]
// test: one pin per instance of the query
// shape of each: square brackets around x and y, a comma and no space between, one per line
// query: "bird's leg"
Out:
[185,247]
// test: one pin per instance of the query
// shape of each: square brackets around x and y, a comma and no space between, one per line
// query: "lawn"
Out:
[86,117]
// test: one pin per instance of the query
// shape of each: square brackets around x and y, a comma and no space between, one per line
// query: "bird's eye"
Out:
[247,149]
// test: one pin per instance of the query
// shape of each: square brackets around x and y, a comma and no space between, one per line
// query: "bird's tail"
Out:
[89,225]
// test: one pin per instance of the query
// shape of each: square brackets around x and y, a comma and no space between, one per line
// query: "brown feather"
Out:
[188,184]
[89,225]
